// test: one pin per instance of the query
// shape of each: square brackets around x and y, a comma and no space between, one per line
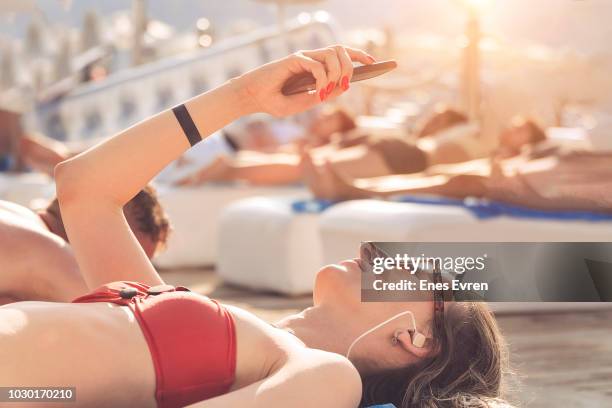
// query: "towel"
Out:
[480,208]
[485,209]
[311,206]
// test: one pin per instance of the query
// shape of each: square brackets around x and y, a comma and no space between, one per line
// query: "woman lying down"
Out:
[136,342]
[555,181]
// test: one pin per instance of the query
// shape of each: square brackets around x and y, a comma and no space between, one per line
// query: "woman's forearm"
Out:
[121,166]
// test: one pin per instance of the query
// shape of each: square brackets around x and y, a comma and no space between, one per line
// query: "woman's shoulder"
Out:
[331,375]
[326,359]
[333,379]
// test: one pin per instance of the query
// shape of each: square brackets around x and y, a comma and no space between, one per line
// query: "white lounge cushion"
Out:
[265,245]
[345,225]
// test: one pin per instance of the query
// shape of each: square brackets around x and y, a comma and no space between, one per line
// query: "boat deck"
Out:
[558,359]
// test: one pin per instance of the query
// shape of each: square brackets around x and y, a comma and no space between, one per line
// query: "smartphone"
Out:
[306,82]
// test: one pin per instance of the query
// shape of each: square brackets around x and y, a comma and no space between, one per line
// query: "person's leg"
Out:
[285,168]
[266,169]
[279,169]
[218,170]
[326,182]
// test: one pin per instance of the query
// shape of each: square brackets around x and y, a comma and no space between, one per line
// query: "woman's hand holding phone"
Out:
[332,68]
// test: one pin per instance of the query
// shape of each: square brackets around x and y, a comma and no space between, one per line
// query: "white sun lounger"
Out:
[345,225]
[265,245]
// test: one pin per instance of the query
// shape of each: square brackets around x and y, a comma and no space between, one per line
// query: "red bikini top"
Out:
[191,339]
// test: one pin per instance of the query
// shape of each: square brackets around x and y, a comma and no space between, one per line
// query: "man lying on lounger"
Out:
[37,260]
[359,155]
[556,181]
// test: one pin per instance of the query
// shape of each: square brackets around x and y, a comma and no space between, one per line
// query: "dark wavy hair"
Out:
[466,372]
[150,217]
[144,212]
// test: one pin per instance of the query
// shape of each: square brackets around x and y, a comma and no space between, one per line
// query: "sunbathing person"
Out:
[140,344]
[560,181]
[361,160]
[358,155]
[36,257]
[332,136]
[445,138]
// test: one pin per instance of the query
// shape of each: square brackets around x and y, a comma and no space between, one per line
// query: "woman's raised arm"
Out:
[93,186]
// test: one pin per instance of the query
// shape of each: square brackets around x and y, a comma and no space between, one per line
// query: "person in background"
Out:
[37,260]
[444,138]
[558,180]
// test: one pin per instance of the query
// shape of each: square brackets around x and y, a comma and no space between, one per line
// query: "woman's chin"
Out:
[338,281]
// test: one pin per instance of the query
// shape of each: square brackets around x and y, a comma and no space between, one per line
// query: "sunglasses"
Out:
[369,251]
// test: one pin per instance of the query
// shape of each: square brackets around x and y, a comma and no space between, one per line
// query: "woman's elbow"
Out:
[68,182]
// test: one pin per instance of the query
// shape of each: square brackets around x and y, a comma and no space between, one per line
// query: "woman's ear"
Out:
[415,344]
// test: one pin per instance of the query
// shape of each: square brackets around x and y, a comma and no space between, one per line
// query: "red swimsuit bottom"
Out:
[191,339]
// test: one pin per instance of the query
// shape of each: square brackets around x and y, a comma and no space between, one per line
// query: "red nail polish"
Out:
[330,88]
[345,82]
[322,95]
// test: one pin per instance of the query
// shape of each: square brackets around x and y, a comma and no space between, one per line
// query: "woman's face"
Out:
[338,287]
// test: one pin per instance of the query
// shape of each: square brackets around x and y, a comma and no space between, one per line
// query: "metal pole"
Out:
[139,26]
[471,74]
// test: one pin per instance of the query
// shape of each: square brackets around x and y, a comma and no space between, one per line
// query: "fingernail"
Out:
[330,88]
[345,82]
[371,58]
[322,95]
